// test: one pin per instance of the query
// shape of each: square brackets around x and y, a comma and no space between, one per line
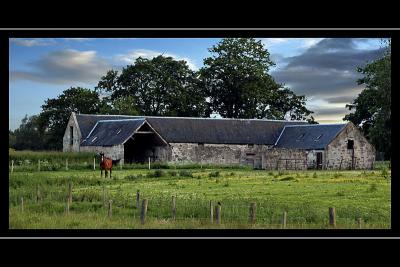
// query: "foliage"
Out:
[373,105]
[238,84]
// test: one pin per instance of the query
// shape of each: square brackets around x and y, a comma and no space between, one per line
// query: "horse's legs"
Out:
[110,173]
[101,173]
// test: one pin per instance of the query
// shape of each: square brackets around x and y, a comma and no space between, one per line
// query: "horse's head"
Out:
[101,156]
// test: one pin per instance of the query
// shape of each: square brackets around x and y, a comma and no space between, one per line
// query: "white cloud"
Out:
[32,42]
[303,42]
[65,67]
[131,56]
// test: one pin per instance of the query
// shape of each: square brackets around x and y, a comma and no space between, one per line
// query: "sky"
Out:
[322,69]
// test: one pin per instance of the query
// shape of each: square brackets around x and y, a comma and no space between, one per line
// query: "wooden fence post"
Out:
[66,164]
[110,208]
[211,212]
[104,196]
[12,166]
[218,213]
[70,192]
[94,163]
[332,217]
[22,204]
[39,165]
[137,199]
[143,211]
[284,218]
[149,163]
[67,209]
[252,213]
[359,222]
[173,207]
[37,194]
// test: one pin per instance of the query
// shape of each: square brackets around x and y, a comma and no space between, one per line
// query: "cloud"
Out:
[32,42]
[64,67]
[303,43]
[131,56]
[327,71]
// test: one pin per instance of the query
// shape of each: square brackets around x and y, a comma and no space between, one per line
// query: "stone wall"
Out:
[226,154]
[337,156]
[76,136]
[284,159]
[114,152]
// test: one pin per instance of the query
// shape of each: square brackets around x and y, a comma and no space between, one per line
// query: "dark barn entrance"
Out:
[144,144]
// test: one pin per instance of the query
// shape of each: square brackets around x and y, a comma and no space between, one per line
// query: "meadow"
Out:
[304,195]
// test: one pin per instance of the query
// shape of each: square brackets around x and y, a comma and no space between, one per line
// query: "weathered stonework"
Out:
[287,159]
[75,147]
[113,152]
[215,153]
[337,156]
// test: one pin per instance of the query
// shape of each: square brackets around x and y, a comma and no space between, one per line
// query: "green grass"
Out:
[305,195]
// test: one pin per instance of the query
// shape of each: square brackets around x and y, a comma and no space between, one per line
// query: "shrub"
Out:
[289,178]
[185,173]
[156,174]
[172,173]
[214,174]
[314,175]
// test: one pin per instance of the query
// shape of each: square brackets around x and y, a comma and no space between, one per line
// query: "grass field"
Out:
[304,195]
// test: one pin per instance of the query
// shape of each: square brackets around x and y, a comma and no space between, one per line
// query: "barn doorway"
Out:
[319,160]
[145,143]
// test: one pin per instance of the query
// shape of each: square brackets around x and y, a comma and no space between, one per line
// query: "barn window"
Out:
[71,135]
[350,144]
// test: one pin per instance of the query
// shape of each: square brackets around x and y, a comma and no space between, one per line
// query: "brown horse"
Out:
[106,165]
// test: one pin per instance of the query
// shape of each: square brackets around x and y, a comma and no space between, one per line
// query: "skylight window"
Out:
[300,137]
[318,137]
[94,139]
[119,131]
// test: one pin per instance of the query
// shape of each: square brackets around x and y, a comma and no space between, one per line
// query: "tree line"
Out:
[234,82]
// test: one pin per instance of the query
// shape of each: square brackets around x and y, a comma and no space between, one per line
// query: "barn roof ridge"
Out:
[192,118]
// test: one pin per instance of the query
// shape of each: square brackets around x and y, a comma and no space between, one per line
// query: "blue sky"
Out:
[321,69]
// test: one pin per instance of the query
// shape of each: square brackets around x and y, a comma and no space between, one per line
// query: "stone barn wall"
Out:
[76,137]
[284,159]
[216,153]
[114,152]
[337,156]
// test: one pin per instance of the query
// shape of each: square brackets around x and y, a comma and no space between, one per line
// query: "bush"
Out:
[172,173]
[185,173]
[156,174]
[314,175]
[214,174]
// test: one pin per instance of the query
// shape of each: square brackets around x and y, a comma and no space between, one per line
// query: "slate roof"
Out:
[314,136]
[201,130]
[112,132]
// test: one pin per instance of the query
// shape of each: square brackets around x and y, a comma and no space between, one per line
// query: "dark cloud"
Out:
[327,69]
[341,99]
[64,67]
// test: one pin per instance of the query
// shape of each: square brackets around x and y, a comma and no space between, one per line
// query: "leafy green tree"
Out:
[28,136]
[372,107]
[159,86]
[237,81]
[11,139]
[56,112]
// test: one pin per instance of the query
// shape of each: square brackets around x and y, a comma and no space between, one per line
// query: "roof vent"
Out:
[94,139]
[300,136]
[119,131]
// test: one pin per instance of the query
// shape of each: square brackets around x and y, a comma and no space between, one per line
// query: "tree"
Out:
[237,81]
[160,86]
[11,139]
[28,136]
[372,108]
[56,112]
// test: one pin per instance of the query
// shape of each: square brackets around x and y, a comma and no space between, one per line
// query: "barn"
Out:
[265,144]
